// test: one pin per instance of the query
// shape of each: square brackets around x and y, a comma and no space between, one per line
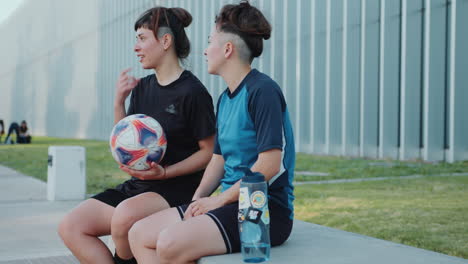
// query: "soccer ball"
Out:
[136,141]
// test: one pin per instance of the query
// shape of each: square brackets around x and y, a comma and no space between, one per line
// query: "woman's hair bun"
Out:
[247,13]
[182,15]
[246,21]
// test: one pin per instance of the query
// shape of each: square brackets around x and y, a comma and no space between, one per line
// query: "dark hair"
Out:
[25,128]
[175,18]
[247,22]
[1,127]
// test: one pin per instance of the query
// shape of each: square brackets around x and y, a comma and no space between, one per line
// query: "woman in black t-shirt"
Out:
[184,108]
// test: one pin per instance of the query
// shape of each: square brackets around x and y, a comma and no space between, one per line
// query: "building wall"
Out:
[372,78]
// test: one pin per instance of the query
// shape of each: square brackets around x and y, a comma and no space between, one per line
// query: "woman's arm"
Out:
[125,84]
[213,174]
[268,164]
[211,179]
[197,161]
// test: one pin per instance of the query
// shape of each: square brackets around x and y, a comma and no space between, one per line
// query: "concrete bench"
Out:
[311,243]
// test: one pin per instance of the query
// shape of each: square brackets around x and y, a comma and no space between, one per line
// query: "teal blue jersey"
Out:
[250,121]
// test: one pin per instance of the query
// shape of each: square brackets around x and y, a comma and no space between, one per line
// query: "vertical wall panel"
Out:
[327,74]
[319,77]
[459,82]
[389,80]
[273,40]
[411,85]
[291,68]
[283,48]
[434,82]
[298,76]
[370,90]
[304,97]
[335,75]
[362,68]
[312,87]
[352,75]
[344,70]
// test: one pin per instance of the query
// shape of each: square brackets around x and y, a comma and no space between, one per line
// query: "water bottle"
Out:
[254,217]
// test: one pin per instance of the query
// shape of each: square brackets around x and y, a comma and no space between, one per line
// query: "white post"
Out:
[66,174]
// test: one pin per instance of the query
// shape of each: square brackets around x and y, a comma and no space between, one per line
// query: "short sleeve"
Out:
[200,115]
[266,107]
[217,148]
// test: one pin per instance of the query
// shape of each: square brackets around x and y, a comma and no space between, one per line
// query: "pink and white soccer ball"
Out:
[137,140]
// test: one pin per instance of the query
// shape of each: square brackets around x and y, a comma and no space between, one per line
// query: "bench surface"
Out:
[311,243]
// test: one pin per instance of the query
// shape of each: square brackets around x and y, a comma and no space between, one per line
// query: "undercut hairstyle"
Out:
[173,21]
[248,23]
[243,50]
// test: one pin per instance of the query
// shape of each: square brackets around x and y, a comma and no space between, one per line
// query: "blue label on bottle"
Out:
[258,199]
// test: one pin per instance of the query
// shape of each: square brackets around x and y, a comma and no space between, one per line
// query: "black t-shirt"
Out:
[23,130]
[184,108]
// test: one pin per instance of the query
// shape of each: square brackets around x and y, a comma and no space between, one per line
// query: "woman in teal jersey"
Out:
[253,130]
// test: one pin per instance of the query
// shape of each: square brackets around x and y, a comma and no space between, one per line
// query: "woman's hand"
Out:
[202,206]
[125,85]
[156,172]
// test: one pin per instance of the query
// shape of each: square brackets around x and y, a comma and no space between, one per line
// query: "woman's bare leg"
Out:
[144,234]
[177,241]
[81,228]
[130,211]
[187,241]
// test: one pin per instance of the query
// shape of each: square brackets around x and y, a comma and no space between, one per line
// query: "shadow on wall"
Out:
[22,102]
[18,96]
[60,122]
[111,59]
[101,123]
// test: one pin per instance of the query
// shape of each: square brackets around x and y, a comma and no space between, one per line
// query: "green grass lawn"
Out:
[430,212]
[347,168]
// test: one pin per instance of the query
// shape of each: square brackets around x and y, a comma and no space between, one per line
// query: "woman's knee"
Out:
[90,218]
[134,233]
[138,236]
[168,247]
[123,219]
[69,228]
[63,228]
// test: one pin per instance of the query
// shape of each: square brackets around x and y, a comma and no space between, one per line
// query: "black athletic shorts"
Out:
[226,219]
[175,191]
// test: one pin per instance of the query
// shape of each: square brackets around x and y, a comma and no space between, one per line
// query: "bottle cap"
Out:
[251,177]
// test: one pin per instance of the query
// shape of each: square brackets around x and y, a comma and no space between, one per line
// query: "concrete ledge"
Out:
[311,243]
[68,259]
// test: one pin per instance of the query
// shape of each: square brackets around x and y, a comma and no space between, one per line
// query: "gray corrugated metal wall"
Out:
[374,78]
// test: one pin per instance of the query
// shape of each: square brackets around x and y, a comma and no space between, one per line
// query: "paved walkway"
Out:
[28,222]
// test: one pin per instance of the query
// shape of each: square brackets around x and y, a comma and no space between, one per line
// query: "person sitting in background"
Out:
[2,130]
[22,134]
